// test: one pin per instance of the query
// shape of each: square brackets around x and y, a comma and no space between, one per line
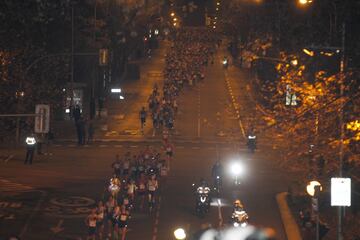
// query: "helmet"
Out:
[237,202]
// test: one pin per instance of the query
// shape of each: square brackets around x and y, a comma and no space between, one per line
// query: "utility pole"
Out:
[92,98]
[341,152]
[72,57]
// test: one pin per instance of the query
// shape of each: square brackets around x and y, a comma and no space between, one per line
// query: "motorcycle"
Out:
[225,63]
[237,170]
[239,218]
[217,184]
[202,200]
[251,143]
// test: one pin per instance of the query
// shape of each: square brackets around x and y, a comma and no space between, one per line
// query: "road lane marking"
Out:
[134,146]
[235,106]
[7,186]
[199,114]
[58,228]
[156,223]
[34,212]
[220,213]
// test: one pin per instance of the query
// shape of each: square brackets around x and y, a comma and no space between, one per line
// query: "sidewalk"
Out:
[122,118]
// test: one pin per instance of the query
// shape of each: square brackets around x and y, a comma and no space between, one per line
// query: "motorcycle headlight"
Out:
[237,168]
[236,224]
[244,224]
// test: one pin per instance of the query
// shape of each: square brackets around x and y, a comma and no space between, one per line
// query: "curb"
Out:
[291,228]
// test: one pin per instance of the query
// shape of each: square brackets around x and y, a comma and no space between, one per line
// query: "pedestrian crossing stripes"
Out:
[8,186]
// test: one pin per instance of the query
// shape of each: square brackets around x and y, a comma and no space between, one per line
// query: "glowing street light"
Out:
[310,188]
[304,2]
[175,19]
[172,14]
[218,3]
[180,234]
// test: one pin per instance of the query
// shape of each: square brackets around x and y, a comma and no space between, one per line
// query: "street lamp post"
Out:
[180,234]
[313,189]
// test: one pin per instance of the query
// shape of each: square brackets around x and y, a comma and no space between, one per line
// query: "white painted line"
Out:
[33,213]
[199,115]
[220,213]
[134,146]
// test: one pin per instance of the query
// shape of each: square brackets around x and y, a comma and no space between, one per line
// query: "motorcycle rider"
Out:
[203,186]
[238,206]
[202,195]
[217,171]
[225,62]
[251,139]
[239,216]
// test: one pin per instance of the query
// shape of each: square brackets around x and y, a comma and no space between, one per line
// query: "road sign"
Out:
[42,119]
[341,192]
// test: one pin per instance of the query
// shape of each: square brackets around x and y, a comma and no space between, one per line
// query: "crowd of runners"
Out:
[184,66]
[133,186]
[135,182]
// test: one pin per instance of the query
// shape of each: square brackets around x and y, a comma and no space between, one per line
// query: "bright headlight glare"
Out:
[237,168]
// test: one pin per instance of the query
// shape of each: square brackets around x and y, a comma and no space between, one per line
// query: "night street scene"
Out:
[179,119]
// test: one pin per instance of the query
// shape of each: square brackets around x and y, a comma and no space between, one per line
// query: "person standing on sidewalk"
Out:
[142,118]
[30,148]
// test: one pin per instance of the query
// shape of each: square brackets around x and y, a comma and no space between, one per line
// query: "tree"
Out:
[314,120]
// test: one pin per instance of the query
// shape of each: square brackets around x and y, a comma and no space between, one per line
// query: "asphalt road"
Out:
[50,199]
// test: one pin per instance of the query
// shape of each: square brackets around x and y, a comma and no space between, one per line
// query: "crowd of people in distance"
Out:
[135,182]
[184,66]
